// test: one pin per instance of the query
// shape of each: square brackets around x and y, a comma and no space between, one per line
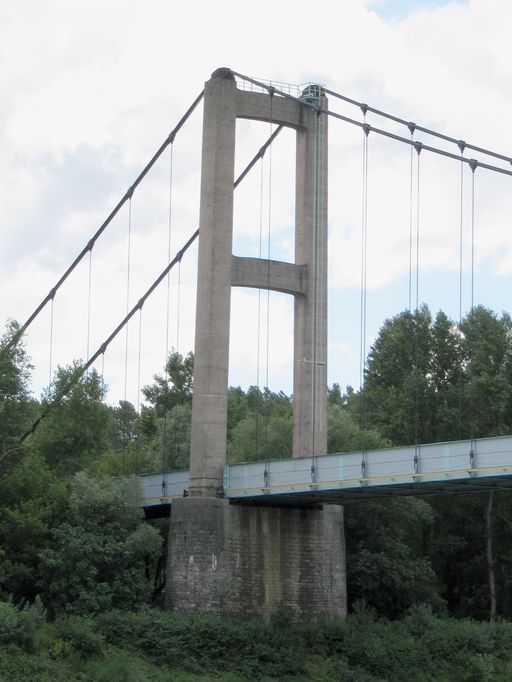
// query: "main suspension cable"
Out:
[101,350]
[422,129]
[88,247]
[138,306]
[387,133]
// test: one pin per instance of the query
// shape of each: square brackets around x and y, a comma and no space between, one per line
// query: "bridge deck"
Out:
[457,466]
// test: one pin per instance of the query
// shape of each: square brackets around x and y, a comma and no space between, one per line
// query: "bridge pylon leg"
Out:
[223,558]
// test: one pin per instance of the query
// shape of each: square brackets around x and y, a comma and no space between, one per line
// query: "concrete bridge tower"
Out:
[242,560]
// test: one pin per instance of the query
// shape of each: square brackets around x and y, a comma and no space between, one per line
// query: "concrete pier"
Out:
[255,561]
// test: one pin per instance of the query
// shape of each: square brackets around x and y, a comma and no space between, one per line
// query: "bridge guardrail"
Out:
[430,467]
[428,463]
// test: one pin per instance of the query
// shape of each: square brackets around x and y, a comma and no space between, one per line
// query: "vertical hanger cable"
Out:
[417,309]
[89,305]
[363,300]
[461,264]
[258,342]
[411,163]
[168,304]
[50,370]
[139,362]
[128,266]
[267,407]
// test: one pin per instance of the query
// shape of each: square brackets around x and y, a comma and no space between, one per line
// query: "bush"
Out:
[19,624]
[79,633]
[207,644]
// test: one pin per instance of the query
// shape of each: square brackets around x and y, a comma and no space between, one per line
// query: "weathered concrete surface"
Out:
[275,275]
[255,561]
[218,270]
[310,343]
[211,358]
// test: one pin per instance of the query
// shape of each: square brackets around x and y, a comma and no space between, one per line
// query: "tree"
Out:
[458,380]
[175,387]
[77,427]
[33,500]
[166,422]
[265,430]
[487,356]
[386,565]
[344,434]
[125,425]
[16,406]
[169,446]
[108,547]
[397,390]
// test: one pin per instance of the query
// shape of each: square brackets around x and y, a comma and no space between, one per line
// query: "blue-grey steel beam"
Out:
[458,466]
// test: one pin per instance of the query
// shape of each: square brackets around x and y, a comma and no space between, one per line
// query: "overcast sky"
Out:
[89,90]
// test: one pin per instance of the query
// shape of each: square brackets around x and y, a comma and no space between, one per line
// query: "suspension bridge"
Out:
[251,538]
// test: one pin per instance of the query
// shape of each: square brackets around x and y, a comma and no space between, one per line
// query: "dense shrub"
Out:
[19,625]
[203,644]
[151,644]
[80,634]
[108,546]
[420,647]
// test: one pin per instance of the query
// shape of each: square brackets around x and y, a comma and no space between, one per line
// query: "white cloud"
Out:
[88,91]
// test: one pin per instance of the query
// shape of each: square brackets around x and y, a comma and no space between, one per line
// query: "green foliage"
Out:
[80,634]
[125,425]
[96,502]
[18,666]
[430,381]
[165,424]
[386,565]
[344,434]
[205,644]
[16,407]
[264,427]
[33,501]
[169,448]
[175,387]
[19,624]
[76,429]
[153,645]
[421,647]
[107,546]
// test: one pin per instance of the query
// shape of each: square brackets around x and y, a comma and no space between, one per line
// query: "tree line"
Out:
[66,498]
